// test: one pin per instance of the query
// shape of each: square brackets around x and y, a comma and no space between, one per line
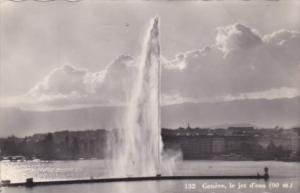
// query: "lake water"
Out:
[284,177]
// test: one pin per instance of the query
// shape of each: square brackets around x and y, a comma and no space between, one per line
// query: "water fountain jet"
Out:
[139,141]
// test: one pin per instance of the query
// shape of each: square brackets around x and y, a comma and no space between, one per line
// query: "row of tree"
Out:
[49,148]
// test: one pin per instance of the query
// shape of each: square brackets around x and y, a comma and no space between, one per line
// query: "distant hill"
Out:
[20,122]
[259,112]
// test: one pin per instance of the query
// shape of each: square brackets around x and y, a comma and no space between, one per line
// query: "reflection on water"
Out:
[282,174]
[52,170]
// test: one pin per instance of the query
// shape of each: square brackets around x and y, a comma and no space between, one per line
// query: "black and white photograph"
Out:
[149,96]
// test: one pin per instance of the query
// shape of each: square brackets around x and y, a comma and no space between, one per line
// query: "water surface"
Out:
[284,174]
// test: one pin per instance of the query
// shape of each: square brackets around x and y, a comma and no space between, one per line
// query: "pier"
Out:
[30,182]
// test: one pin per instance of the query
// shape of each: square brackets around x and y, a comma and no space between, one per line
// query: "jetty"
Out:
[31,183]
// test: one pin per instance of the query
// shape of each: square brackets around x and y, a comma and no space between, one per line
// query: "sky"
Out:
[59,55]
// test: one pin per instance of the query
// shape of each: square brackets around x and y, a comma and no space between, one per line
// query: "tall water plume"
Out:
[138,148]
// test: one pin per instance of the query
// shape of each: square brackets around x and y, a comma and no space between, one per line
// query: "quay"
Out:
[30,183]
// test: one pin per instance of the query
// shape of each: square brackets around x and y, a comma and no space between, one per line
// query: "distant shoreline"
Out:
[226,144]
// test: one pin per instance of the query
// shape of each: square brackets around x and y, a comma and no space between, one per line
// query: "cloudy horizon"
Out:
[212,53]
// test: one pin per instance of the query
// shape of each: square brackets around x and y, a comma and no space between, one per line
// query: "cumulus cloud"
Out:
[63,80]
[236,37]
[117,83]
[240,64]
[68,85]
[240,61]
